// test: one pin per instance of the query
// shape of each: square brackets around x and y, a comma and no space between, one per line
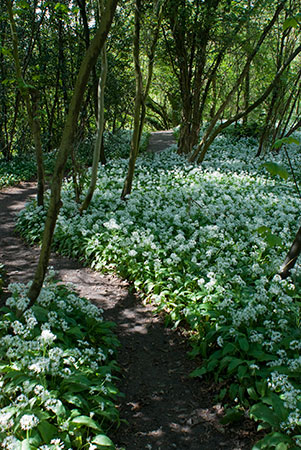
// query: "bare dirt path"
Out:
[163,407]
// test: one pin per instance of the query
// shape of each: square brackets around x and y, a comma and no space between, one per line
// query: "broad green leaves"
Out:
[276,169]
[272,239]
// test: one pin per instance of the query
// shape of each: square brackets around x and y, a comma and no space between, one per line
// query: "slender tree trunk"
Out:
[66,143]
[141,97]
[138,102]
[100,128]
[82,7]
[31,103]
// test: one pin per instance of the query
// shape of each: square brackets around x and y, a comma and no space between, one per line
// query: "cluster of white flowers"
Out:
[28,421]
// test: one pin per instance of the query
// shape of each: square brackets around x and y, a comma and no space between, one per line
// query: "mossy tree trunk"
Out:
[87,65]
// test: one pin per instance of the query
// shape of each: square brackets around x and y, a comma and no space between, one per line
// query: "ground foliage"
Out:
[57,372]
[205,244]
[23,168]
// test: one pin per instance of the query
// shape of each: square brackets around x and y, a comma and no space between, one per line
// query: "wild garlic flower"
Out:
[11,443]
[6,421]
[28,421]
[47,337]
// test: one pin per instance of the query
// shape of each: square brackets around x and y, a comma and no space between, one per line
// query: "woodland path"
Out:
[163,407]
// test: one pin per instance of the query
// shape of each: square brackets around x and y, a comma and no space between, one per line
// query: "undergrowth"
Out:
[205,244]
[57,372]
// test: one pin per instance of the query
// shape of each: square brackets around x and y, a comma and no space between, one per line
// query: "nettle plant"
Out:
[56,372]
[205,244]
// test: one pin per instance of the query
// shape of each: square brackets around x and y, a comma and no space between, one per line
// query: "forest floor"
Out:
[162,408]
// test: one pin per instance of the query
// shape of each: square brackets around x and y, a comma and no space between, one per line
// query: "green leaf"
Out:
[282,446]
[6,52]
[291,22]
[286,140]
[233,390]
[73,399]
[276,169]
[46,430]
[273,240]
[271,440]
[22,4]
[252,393]
[198,372]
[275,401]
[234,363]
[242,370]
[103,440]
[231,416]
[263,230]
[244,344]
[76,331]
[229,348]
[262,412]
[86,421]
[262,356]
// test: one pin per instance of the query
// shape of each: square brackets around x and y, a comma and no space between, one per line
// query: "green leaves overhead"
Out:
[291,22]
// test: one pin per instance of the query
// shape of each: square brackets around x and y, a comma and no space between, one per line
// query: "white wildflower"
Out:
[28,421]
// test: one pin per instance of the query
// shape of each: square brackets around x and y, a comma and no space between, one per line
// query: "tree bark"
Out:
[100,128]
[30,96]
[291,257]
[141,97]
[206,142]
[66,144]
[138,102]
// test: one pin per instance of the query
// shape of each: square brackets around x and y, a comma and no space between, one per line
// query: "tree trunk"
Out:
[100,128]
[31,103]
[127,188]
[66,143]
[141,98]
[291,257]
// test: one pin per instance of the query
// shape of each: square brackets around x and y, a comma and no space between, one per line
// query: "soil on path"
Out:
[162,408]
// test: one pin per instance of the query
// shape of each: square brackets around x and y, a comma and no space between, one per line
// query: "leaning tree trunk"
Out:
[291,257]
[209,137]
[87,64]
